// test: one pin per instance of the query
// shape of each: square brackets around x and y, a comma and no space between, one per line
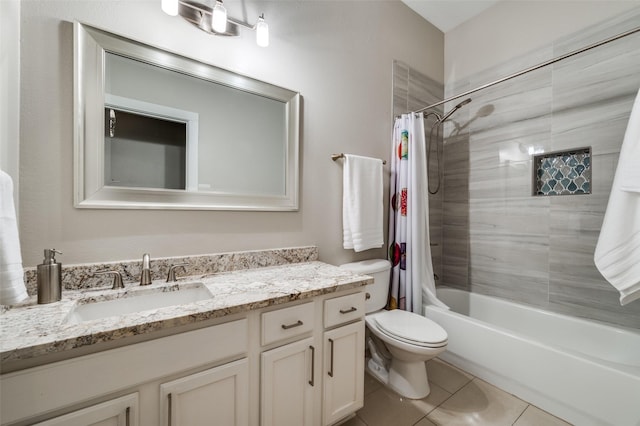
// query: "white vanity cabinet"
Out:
[319,378]
[294,364]
[288,385]
[219,395]
[121,411]
[78,387]
[343,372]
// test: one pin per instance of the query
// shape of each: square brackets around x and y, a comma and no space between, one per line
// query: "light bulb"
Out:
[170,7]
[262,32]
[219,18]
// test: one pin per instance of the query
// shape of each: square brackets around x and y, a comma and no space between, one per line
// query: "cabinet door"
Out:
[287,385]
[121,411]
[217,396]
[343,371]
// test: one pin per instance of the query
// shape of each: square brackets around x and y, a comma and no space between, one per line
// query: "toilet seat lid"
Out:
[411,328]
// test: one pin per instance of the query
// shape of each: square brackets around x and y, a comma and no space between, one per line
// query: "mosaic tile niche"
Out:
[563,173]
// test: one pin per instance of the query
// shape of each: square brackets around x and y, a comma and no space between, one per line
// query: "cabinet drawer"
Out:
[287,322]
[343,309]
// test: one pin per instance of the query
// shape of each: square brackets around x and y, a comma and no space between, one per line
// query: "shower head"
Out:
[455,108]
[463,103]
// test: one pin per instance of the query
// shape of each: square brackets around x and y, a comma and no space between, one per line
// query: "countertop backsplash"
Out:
[81,276]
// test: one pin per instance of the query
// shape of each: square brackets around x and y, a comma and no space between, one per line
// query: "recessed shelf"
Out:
[562,172]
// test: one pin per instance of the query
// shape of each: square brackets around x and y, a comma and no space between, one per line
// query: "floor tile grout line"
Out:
[448,398]
[420,419]
[513,395]
[362,420]
[471,378]
[516,420]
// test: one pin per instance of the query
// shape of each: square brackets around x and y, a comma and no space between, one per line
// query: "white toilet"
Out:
[411,339]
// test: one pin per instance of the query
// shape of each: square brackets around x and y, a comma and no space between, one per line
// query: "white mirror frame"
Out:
[90,46]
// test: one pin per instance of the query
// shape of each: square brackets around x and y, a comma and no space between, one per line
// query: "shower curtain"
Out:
[412,271]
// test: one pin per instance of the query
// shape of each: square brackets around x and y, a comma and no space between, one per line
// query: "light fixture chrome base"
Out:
[204,16]
[199,15]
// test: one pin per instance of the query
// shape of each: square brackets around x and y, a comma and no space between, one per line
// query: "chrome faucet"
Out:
[117,278]
[171,276]
[145,275]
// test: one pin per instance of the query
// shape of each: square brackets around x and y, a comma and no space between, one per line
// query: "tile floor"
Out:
[456,398]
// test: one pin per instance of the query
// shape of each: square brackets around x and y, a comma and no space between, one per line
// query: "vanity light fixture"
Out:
[214,20]
[262,32]
[170,7]
[219,18]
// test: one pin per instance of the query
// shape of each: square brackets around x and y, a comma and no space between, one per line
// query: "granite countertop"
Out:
[31,330]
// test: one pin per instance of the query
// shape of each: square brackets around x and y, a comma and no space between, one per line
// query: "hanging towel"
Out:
[617,254]
[630,180]
[12,288]
[362,203]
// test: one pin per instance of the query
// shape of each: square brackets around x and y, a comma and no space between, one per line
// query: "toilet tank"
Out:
[379,269]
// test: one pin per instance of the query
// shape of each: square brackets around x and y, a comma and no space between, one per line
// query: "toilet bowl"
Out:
[399,342]
[415,341]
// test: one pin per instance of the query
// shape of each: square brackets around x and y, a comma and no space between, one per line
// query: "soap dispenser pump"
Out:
[49,278]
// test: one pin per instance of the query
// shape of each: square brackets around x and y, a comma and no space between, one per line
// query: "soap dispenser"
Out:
[49,278]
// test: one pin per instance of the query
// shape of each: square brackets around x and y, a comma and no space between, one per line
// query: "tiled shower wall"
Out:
[498,238]
[412,91]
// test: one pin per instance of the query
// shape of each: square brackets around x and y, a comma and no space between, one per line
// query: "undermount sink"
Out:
[138,301]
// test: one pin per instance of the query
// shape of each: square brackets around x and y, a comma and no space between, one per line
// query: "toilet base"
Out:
[408,379]
[377,371]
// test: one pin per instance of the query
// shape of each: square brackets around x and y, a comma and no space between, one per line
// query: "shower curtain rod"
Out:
[533,68]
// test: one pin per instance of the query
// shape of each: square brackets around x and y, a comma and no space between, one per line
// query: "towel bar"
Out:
[334,157]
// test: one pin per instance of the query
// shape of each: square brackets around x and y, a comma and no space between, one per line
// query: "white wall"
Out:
[514,27]
[338,55]
[9,90]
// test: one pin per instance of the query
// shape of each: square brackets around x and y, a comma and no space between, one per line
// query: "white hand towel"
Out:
[12,288]
[362,203]
[617,254]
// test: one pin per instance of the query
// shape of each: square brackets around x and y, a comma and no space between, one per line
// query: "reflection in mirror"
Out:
[170,132]
[144,151]
[159,142]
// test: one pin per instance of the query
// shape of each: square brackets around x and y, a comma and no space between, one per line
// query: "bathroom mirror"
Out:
[156,130]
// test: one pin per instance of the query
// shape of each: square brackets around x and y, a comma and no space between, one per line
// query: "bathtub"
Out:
[582,371]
